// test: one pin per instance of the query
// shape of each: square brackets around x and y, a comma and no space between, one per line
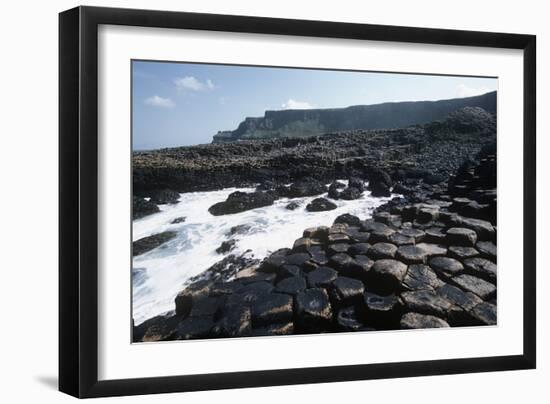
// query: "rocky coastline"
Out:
[425,259]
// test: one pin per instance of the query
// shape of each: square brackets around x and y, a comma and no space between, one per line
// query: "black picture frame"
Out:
[78,201]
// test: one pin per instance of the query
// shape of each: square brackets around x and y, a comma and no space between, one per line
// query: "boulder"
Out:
[142,207]
[348,219]
[293,205]
[238,229]
[226,246]
[306,187]
[357,183]
[350,193]
[320,205]
[164,196]
[178,220]
[149,243]
[239,201]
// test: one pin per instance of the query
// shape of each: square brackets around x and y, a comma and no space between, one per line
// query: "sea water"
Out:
[160,274]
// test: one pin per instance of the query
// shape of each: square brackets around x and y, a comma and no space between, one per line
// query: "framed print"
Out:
[251,201]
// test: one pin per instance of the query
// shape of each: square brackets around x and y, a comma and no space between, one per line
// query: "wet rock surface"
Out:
[149,243]
[424,259]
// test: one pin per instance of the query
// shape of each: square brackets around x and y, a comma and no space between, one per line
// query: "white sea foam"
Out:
[160,273]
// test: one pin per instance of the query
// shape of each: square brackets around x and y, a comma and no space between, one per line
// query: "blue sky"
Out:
[179,104]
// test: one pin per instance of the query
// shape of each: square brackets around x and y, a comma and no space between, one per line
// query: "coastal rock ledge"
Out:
[424,260]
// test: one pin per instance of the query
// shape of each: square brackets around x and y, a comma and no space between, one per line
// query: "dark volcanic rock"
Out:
[272,308]
[461,236]
[446,266]
[291,285]
[426,302]
[274,329]
[293,205]
[340,261]
[184,300]
[242,201]
[164,196]
[411,254]
[348,319]
[478,286]
[382,250]
[158,328]
[239,229]
[482,268]
[321,277]
[350,193]
[417,320]
[320,205]
[149,243]
[226,246]
[235,322]
[421,277]
[313,310]
[142,207]
[306,187]
[487,249]
[485,313]
[383,312]
[465,300]
[194,327]
[346,290]
[178,220]
[461,253]
[388,274]
[348,219]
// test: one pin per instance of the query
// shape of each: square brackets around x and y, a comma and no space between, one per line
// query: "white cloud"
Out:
[293,104]
[157,101]
[193,84]
[462,90]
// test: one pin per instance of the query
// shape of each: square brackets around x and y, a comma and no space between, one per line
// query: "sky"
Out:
[181,104]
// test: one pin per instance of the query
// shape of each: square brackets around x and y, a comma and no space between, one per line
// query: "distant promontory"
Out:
[312,122]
